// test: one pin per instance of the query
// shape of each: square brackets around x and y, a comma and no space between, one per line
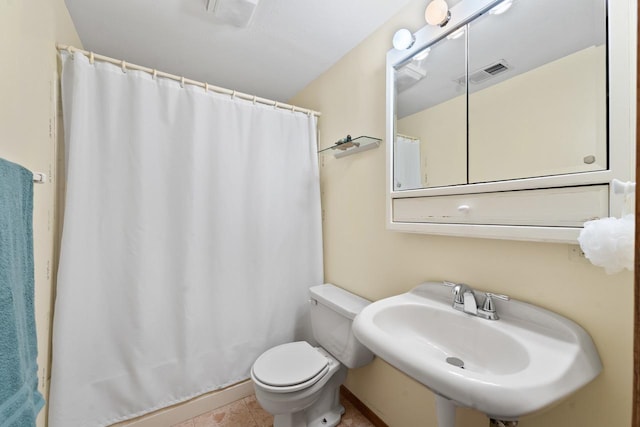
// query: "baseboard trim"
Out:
[207,402]
[364,409]
[192,408]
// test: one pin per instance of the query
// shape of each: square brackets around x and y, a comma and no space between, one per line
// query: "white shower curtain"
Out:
[192,232]
[406,163]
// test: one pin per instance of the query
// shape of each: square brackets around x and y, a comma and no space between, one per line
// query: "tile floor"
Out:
[248,413]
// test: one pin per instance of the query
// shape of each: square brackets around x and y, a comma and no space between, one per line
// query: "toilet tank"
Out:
[332,312]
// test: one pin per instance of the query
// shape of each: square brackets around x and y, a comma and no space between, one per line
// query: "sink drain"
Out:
[455,362]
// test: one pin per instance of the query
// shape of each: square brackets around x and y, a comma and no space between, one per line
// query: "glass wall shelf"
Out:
[347,146]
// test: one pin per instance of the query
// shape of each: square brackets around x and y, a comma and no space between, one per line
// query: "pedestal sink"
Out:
[527,360]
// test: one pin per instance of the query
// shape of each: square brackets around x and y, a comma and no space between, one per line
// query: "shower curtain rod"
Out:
[207,87]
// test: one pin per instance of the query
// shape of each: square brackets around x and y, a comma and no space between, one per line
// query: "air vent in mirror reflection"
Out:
[485,73]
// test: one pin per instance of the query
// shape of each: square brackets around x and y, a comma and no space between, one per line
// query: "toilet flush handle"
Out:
[313,301]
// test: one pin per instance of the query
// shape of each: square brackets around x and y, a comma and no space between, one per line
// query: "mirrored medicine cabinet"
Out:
[511,120]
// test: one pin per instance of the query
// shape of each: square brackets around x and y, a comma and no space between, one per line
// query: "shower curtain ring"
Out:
[233,95]
[154,74]
[182,81]
[70,49]
[206,87]
[123,65]
[255,99]
[91,58]
[276,105]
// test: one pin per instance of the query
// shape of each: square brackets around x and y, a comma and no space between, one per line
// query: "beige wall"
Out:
[362,256]
[29,30]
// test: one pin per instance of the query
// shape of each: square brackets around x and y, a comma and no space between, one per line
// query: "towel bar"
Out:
[620,187]
[39,177]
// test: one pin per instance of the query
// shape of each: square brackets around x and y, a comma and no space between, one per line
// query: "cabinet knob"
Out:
[464,208]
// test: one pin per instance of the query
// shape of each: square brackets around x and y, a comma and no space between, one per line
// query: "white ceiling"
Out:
[288,44]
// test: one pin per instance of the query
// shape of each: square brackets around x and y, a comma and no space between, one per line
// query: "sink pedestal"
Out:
[445,411]
[446,414]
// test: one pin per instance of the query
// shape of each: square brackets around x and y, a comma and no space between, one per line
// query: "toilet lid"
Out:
[289,364]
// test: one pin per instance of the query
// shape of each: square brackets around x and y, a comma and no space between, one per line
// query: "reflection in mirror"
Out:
[537,101]
[406,162]
[431,117]
[537,89]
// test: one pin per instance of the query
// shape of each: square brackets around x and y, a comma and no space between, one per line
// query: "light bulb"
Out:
[403,39]
[437,13]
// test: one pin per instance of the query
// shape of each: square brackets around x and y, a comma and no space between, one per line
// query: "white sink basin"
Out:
[527,360]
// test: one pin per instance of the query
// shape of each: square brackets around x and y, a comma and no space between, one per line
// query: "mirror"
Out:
[518,92]
[431,140]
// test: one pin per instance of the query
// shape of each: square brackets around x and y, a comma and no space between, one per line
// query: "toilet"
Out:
[300,384]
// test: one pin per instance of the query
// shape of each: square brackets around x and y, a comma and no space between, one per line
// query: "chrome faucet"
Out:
[465,300]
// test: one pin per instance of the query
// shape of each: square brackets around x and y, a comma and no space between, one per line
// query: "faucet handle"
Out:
[455,289]
[488,301]
[499,296]
[458,291]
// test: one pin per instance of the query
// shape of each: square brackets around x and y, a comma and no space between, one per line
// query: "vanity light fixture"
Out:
[456,34]
[437,13]
[501,8]
[403,39]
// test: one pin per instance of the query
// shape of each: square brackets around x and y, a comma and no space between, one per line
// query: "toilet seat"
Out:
[290,367]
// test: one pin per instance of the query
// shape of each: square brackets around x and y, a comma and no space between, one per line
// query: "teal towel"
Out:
[20,400]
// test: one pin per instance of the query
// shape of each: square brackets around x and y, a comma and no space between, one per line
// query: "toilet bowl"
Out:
[300,384]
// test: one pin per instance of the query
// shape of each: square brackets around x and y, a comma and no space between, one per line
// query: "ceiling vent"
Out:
[235,12]
[484,74]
